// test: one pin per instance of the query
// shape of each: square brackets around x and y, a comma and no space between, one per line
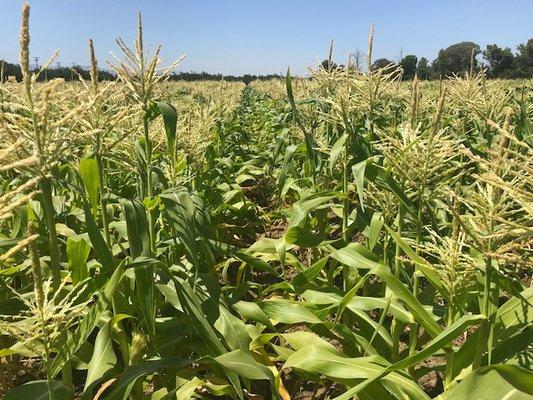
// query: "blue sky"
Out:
[239,36]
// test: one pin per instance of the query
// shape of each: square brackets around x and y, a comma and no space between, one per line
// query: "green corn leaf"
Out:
[252,311]
[359,303]
[98,243]
[243,364]
[368,329]
[309,274]
[139,243]
[137,228]
[288,312]
[192,306]
[384,180]
[77,255]
[103,358]
[347,298]
[38,390]
[186,391]
[170,120]
[320,361]
[358,171]
[438,343]
[426,319]
[495,382]
[512,317]
[309,139]
[301,339]
[336,150]
[122,389]
[513,349]
[91,180]
[287,158]
[185,213]
[247,258]
[355,255]
[233,330]
[376,224]
[300,209]
[303,237]
[516,313]
[422,264]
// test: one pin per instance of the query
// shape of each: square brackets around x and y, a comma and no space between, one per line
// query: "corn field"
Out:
[342,236]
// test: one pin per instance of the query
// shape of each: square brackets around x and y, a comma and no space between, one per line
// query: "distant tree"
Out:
[355,60]
[500,61]
[57,72]
[408,64]
[381,63]
[205,76]
[11,70]
[456,59]
[423,69]
[524,59]
[328,65]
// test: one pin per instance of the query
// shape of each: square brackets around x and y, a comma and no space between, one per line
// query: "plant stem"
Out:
[103,200]
[121,335]
[413,333]
[36,268]
[397,326]
[486,327]
[397,329]
[66,374]
[346,200]
[49,215]
[149,188]
[39,298]
[398,250]
[348,273]
[48,375]
[448,373]
[349,282]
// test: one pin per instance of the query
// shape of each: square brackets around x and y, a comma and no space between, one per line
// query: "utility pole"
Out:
[36,59]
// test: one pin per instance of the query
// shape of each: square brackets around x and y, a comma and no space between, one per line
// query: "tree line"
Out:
[205,76]
[499,62]
[69,74]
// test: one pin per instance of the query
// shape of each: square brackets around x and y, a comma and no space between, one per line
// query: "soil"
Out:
[16,371]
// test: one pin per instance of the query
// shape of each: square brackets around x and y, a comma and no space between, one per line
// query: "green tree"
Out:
[524,59]
[328,65]
[423,69]
[456,59]
[500,61]
[408,64]
[381,63]
[11,70]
